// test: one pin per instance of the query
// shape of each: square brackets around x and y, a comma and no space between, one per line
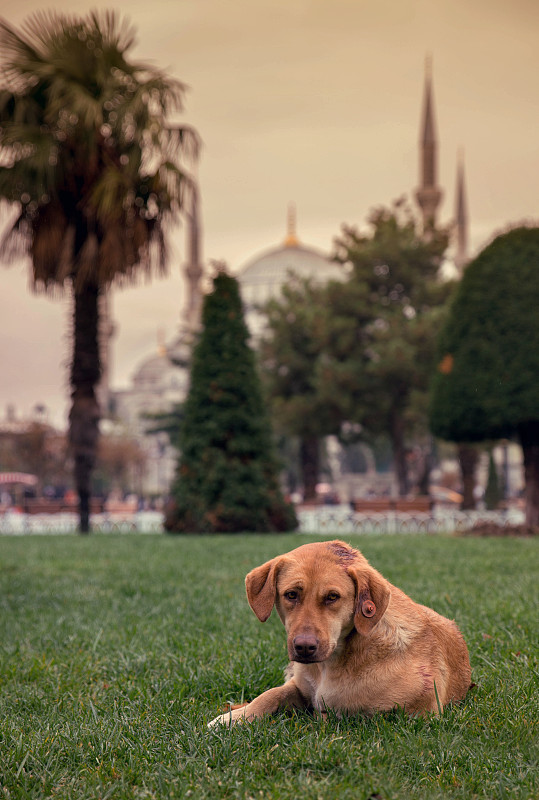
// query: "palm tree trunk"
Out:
[84,413]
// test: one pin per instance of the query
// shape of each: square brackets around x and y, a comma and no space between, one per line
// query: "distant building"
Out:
[162,379]
[158,384]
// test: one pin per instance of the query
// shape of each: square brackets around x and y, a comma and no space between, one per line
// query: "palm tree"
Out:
[95,170]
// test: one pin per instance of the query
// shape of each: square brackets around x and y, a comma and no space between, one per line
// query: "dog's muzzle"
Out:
[305,649]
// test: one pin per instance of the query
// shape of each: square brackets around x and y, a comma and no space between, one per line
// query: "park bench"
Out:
[410,505]
[33,505]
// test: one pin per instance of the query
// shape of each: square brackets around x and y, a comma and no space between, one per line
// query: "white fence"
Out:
[342,519]
[16,523]
[330,520]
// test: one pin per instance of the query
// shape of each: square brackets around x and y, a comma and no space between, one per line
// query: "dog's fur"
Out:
[356,643]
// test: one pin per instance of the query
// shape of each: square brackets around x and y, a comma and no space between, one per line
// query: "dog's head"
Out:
[322,592]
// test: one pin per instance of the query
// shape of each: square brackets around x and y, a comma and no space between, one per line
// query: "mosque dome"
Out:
[263,277]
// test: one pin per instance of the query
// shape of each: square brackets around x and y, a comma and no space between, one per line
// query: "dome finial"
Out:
[161,346]
[291,237]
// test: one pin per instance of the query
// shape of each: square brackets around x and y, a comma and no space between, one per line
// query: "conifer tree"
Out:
[227,477]
[486,387]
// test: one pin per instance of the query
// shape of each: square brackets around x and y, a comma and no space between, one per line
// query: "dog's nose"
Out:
[305,646]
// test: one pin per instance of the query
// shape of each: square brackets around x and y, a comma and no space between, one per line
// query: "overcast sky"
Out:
[315,102]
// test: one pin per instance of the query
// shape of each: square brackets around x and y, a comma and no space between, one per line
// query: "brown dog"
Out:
[356,643]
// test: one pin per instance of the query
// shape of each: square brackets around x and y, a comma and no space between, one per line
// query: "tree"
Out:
[169,422]
[120,464]
[381,354]
[38,449]
[291,355]
[227,478]
[90,161]
[486,384]
[359,353]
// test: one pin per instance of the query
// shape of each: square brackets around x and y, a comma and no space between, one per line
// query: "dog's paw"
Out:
[222,719]
[230,717]
[227,719]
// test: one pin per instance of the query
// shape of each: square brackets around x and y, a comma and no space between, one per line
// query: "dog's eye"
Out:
[291,595]
[332,597]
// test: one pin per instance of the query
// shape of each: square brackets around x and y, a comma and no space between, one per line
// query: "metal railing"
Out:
[342,519]
[17,523]
[330,520]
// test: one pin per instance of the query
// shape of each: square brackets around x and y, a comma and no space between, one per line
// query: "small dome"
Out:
[152,371]
[180,351]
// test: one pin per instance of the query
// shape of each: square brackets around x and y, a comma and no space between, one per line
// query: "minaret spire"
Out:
[291,236]
[193,268]
[428,194]
[461,217]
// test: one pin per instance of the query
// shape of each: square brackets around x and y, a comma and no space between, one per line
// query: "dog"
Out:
[356,644]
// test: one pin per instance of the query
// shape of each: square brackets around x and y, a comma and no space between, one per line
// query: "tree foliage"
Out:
[360,351]
[397,272]
[486,384]
[120,464]
[91,162]
[227,478]
[169,422]
[292,352]
[87,151]
[37,449]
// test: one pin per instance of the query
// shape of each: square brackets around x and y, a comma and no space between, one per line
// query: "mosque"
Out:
[162,379]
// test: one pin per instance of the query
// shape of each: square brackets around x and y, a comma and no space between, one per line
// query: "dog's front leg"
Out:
[286,696]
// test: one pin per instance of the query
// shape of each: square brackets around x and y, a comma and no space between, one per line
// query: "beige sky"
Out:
[315,102]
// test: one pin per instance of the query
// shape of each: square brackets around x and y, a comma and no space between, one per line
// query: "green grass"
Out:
[115,651]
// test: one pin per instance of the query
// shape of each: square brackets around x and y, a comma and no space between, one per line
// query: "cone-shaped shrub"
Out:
[227,477]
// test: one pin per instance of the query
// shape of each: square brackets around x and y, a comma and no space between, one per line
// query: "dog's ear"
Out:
[372,598]
[261,584]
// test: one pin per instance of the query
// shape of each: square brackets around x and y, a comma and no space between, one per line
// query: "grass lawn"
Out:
[115,651]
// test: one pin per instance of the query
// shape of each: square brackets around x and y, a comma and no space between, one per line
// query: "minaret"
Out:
[180,351]
[428,195]
[193,268]
[291,236]
[461,219]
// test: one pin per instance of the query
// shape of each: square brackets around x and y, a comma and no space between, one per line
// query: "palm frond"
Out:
[52,247]
[17,52]
[108,194]
[14,242]
[86,147]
